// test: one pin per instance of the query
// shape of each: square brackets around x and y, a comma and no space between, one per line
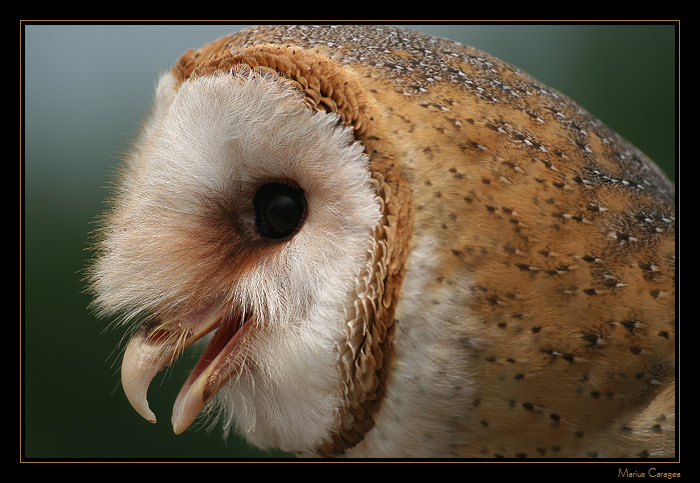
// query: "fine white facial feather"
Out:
[206,149]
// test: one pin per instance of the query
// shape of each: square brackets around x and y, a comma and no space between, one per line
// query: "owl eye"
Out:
[279,210]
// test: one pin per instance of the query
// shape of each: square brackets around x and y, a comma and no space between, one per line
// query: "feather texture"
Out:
[484,269]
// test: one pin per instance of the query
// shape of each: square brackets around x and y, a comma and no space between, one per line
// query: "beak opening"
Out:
[158,343]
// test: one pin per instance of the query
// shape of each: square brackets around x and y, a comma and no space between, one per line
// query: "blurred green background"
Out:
[86,88]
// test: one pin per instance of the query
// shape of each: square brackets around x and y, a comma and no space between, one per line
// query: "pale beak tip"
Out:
[179,424]
[141,407]
[150,417]
[188,405]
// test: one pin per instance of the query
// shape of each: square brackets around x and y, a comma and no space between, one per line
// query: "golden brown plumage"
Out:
[518,296]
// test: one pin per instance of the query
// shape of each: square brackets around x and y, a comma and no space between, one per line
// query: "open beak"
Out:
[158,343]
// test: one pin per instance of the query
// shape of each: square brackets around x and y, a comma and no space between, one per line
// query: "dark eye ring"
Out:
[280,210]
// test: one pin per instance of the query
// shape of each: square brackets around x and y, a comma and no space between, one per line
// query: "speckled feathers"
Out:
[522,272]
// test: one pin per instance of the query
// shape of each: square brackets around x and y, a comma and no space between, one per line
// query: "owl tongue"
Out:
[158,344]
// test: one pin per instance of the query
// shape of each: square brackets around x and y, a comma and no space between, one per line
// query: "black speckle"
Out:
[476,402]
[663,333]
[491,359]
[643,454]
[484,423]
[521,455]
[626,429]
[582,146]
[578,434]
[636,350]
[555,417]
[528,406]
[519,376]
[630,325]
[492,299]
[485,180]
[595,394]
[536,330]
[647,267]
[590,291]
[541,451]
[656,428]
[593,340]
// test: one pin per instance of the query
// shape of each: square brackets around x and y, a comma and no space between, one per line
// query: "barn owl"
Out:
[388,244]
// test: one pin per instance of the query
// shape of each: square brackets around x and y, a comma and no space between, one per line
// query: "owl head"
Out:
[364,224]
[243,211]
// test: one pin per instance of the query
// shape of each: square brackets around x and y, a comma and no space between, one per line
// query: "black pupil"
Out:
[279,210]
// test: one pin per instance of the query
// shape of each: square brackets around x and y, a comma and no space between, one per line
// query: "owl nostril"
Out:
[279,210]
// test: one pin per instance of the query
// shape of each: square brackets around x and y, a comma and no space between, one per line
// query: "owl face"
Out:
[245,213]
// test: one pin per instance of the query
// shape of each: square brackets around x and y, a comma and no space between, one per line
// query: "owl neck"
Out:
[425,391]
